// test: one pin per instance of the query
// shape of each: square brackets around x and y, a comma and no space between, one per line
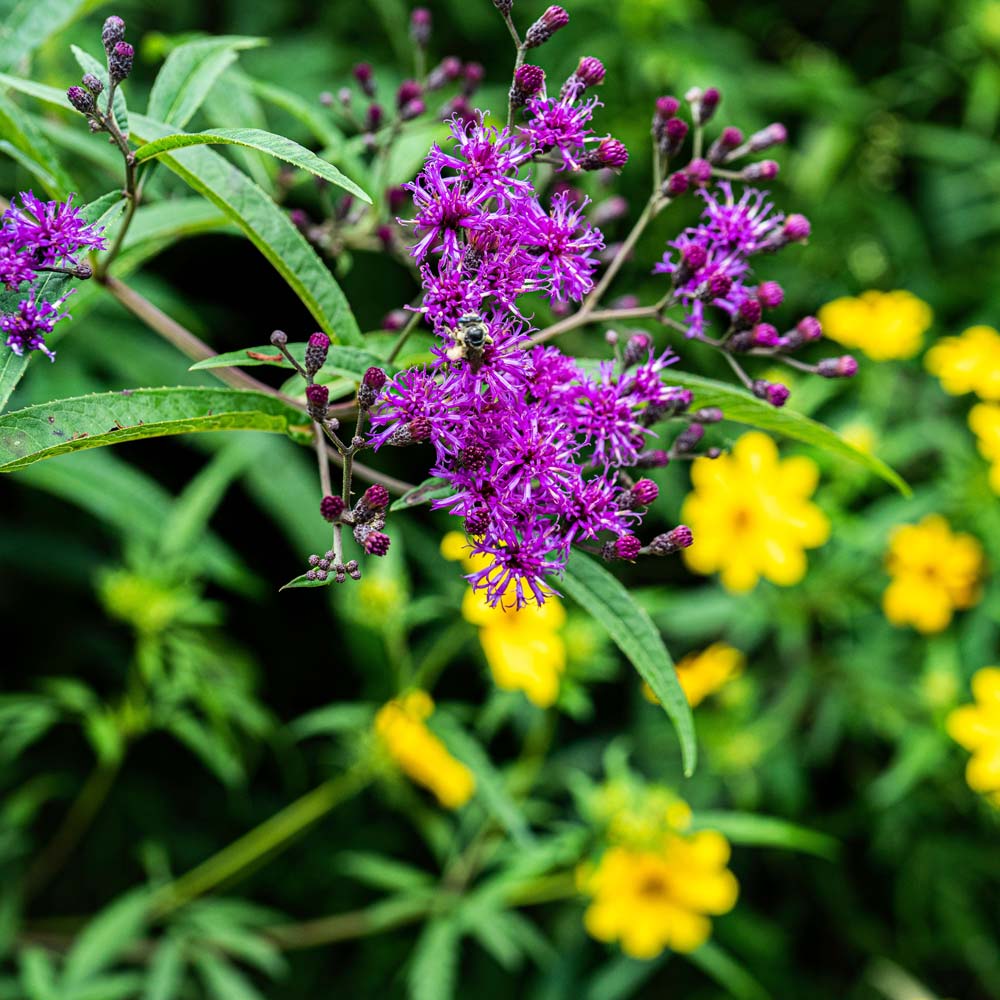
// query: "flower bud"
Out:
[362,72]
[353,570]
[120,62]
[375,377]
[279,338]
[809,329]
[373,117]
[666,108]
[316,352]
[770,294]
[528,81]
[707,415]
[773,392]
[700,172]
[610,154]
[446,71]
[112,33]
[688,439]
[376,497]
[765,335]
[82,100]
[766,170]
[672,541]
[317,397]
[728,140]
[331,507]
[676,184]
[589,73]
[703,104]
[675,131]
[504,6]
[643,493]
[749,312]
[93,84]
[797,228]
[773,135]
[625,547]
[412,109]
[843,367]
[636,348]
[545,27]
[420,27]
[377,543]
[408,90]
[656,459]
[472,76]
[477,521]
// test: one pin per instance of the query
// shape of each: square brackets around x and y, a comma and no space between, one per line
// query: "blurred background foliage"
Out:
[160,699]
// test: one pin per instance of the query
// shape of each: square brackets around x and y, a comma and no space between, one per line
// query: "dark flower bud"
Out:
[331,508]
[728,140]
[636,349]
[326,98]
[408,91]
[672,541]
[656,459]
[528,81]
[446,71]
[773,392]
[843,367]
[643,493]
[377,543]
[770,294]
[82,100]
[609,210]
[112,33]
[316,352]
[317,396]
[688,439]
[395,320]
[366,397]
[676,184]
[376,497]
[675,131]
[366,80]
[694,257]
[417,430]
[412,109]
[386,236]
[465,112]
[314,560]
[375,377]
[472,76]
[704,104]
[666,108]
[749,312]
[504,6]
[93,84]
[373,117]
[420,26]
[545,27]
[397,197]
[299,219]
[311,575]
[717,286]
[590,71]
[420,429]
[773,135]
[120,62]
[700,172]
[707,415]
[353,570]
[766,170]
[279,338]
[610,154]
[626,547]
[797,228]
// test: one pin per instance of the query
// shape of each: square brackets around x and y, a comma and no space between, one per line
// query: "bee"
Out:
[471,336]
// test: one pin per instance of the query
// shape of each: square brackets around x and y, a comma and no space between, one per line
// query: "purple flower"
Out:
[445,208]
[34,320]
[50,231]
[561,126]
[15,264]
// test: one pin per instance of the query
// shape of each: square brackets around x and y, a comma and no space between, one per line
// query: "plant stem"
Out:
[270,836]
[404,335]
[582,318]
[75,824]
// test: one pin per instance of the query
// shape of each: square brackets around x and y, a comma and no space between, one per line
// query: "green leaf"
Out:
[254,138]
[727,972]
[304,111]
[767,831]
[115,986]
[33,22]
[266,225]
[633,632]
[67,425]
[91,65]
[106,936]
[12,369]
[222,981]
[190,72]
[350,361]
[430,489]
[382,872]
[434,963]
[38,975]
[24,141]
[741,407]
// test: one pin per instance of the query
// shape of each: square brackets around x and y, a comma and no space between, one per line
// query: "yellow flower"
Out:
[977,728]
[882,324]
[984,419]
[751,516]
[702,674]
[523,648]
[969,363]
[655,899]
[934,571]
[419,753]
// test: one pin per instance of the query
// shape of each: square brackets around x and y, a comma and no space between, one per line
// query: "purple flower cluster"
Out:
[39,236]
[532,446]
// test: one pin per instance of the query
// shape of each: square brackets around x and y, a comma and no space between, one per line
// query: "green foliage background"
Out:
[151,672]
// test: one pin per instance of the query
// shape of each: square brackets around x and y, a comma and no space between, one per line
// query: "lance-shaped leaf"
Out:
[633,632]
[23,141]
[350,361]
[254,138]
[32,22]
[739,406]
[68,425]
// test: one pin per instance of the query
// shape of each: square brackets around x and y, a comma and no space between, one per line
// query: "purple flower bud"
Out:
[373,117]
[366,79]
[316,352]
[766,170]
[331,508]
[408,90]
[643,493]
[765,335]
[326,98]
[477,521]
[843,367]
[609,210]
[707,415]
[345,95]
[279,338]
[626,547]
[528,81]
[700,172]
[656,459]
[749,311]
[672,541]
[694,256]
[313,560]
[465,112]
[676,184]
[636,349]
[797,228]
[770,294]
[353,569]
[420,26]
[446,71]
[674,132]
[590,71]
[610,154]
[543,29]
[317,397]
[82,100]
[688,439]
[397,197]
[666,108]
[472,76]
[93,84]
[773,392]
[717,287]
[504,6]
[386,236]
[375,378]
[112,33]
[120,62]
[376,497]
[809,328]
[773,135]
[705,106]
[728,140]
[395,320]
[412,109]
[377,543]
